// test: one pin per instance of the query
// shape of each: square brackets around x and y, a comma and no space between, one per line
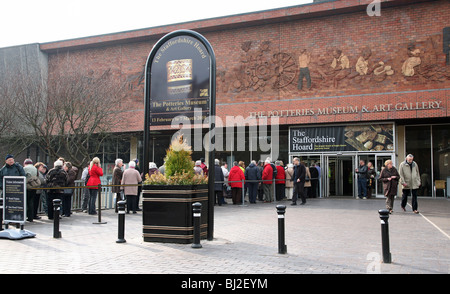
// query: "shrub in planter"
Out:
[168,198]
[179,167]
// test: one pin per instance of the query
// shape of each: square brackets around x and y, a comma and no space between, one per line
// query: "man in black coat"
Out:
[299,182]
[55,178]
[252,175]
[218,182]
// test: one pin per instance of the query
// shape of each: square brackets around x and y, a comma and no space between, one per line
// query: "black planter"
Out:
[167,213]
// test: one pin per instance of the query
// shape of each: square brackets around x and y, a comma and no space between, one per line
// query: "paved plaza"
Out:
[334,235]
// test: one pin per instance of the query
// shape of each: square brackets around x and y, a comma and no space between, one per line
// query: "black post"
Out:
[1,213]
[99,195]
[121,213]
[384,216]
[56,210]
[281,209]
[197,213]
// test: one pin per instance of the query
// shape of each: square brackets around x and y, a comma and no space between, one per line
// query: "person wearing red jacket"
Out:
[236,174]
[267,177]
[95,172]
[280,181]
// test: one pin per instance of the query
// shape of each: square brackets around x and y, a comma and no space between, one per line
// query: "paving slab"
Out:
[331,236]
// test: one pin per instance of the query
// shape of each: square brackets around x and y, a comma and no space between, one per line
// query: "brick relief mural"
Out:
[262,68]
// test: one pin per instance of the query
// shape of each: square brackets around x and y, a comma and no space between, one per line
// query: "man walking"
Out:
[410,180]
[299,182]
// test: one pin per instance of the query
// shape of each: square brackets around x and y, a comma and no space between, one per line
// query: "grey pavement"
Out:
[333,235]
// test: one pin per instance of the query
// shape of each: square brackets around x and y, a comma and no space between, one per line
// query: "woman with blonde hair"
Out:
[390,177]
[95,172]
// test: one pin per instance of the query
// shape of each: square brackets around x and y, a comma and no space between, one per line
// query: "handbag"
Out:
[33,182]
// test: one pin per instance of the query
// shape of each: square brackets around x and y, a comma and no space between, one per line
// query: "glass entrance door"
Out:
[338,175]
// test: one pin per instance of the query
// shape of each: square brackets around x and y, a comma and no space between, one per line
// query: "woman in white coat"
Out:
[131,177]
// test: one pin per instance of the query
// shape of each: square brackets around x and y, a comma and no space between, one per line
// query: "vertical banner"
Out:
[14,199]
[180,85]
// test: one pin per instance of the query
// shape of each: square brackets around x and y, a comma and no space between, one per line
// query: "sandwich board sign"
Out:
[14,207]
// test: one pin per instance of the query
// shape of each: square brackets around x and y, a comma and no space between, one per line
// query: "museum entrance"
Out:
[339,175]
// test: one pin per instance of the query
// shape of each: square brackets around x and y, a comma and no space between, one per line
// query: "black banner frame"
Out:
[6,220]
[212,112]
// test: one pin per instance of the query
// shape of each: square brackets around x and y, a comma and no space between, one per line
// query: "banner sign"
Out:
[180,88]
[374,137]
[14,199]
[180,80]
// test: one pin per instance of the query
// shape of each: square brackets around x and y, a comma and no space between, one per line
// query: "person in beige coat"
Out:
[131,177]
[307,182]
[410,181]
[289,172]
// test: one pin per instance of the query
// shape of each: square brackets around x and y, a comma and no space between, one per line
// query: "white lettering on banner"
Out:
[385,107]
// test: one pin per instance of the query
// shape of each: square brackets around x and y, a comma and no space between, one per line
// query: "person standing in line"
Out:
[362,180]
[95,172]
[131,177]
[235,180]
[225,178]
[152,169]
[299,182]
[11,168]
[390,177]
[41,195]
[410,181]
[31,172]
[67,197]
[203,166]
[252,176]
[260,167]
[116,180]
[197,168]
[289,175]
[136,167]
[267,178]
[280,181]
[55,178]
[371,175]
[219,180]
[314,180]
[307,187]
[85,191]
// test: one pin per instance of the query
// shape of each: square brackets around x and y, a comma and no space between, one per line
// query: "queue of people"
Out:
[294,182]
[265,181]
[44,185]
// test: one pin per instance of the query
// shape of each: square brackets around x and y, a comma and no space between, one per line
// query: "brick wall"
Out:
[258,63]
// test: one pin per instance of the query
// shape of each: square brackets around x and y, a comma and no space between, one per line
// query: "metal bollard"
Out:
[121,213]
[197,213]
[384,216]
[56,210]
[281,209]
[99,198]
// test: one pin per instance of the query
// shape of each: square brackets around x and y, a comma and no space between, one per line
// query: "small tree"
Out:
[178,158]
[179,168]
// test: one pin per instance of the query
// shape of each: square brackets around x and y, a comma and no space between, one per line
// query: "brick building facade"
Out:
[310,66]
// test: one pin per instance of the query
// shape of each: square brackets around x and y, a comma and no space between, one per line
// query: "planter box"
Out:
[167,213]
